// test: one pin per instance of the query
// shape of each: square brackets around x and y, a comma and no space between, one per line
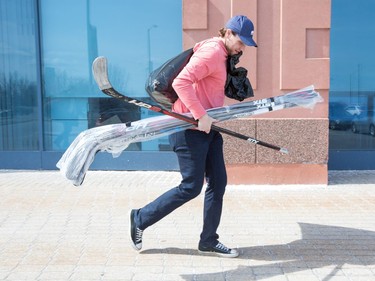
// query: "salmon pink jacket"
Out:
[200,85]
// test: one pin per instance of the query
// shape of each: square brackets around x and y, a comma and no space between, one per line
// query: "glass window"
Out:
[352,89]
[135,36]
[18,77]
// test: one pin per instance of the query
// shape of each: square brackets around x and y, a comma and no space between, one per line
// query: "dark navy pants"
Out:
[200,157]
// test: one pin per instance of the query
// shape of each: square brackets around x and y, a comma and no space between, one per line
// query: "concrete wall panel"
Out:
[304,30]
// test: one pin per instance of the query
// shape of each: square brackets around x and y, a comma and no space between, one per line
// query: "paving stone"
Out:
[52,230]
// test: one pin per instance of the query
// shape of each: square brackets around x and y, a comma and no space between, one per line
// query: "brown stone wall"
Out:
[293,52]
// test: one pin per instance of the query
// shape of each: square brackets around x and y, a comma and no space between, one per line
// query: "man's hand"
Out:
[205,122]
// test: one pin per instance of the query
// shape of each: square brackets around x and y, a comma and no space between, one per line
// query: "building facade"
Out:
[48,95]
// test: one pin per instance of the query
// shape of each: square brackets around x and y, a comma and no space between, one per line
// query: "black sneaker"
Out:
[135,232]
[219,250]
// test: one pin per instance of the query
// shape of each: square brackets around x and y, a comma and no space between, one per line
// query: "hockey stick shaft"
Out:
[101,77]
[113,93]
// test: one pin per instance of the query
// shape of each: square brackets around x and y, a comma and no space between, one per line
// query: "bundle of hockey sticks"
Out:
[100,71]
[115,138]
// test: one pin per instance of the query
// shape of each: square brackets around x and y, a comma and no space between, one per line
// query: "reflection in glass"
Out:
[119,30]
[18,77]
[352,89]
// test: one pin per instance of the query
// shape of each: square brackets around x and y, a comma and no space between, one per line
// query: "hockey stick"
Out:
[100,73]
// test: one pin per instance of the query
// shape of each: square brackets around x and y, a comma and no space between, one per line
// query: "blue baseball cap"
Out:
[242,26]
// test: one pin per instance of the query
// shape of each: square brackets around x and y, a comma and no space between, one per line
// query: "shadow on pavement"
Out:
[321,246]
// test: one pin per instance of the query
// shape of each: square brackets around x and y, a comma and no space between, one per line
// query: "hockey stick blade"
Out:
[100,72]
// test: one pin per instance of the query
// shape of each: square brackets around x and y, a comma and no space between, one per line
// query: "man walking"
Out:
[200,86]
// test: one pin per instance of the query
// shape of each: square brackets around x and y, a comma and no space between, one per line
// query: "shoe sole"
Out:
[234,255]
[134,246]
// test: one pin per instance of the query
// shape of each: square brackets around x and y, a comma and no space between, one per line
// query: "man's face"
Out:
[234,44]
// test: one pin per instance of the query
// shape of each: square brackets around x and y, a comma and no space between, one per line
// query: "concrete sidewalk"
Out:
[52,230]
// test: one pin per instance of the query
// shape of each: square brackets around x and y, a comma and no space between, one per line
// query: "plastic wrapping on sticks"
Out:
[117,137]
